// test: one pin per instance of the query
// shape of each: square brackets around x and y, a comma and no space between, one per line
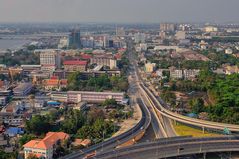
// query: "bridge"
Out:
[173,147]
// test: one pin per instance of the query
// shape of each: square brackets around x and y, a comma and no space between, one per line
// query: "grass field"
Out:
[184,130]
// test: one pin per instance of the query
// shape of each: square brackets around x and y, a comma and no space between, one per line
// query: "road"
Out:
[162,109]
[156,123]
[172,147]
[113,142]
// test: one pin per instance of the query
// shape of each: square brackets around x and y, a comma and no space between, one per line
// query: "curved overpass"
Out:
[173,147]
[184,119]
[117,140]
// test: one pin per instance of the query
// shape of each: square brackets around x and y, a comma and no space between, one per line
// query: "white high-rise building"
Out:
[50,60]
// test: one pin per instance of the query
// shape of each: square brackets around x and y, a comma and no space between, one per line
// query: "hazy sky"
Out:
[119,11]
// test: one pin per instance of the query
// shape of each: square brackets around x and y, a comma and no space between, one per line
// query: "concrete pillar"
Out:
[203,130]
[204,155]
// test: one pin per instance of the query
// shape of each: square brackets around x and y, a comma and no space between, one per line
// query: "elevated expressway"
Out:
[172,147]
[161,108]
[183,119]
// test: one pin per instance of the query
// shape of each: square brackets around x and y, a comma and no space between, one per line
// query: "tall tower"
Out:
[74,39]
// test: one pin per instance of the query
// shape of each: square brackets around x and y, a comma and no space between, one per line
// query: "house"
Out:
[44,148]
[81,142]
[14,131]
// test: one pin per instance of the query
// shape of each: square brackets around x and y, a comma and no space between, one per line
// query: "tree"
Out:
[4,155]
[38,125]
[26,138]
[32,156]
[109,102]
[197,105]
[74,119]
[94,114]
[169,97]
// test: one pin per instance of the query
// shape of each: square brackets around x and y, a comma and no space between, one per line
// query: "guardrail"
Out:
[172,147]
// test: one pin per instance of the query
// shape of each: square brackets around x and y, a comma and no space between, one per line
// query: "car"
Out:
[90,155]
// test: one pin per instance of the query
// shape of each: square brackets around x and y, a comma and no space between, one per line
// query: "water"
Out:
[12,44]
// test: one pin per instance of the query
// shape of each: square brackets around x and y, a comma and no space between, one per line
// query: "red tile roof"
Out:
[50,139]
[86,57]
[54,77]
[52,82]
[64,82]
[75,62]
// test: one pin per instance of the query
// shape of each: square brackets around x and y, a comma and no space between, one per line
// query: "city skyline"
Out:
[119,11]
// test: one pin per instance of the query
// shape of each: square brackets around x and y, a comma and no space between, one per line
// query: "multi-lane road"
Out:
[167,114]
[154,111]
[116,141]
[173,147]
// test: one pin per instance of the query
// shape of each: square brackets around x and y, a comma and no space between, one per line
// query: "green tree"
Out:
[26,138]
[109,102]
[38,125]
[197,105]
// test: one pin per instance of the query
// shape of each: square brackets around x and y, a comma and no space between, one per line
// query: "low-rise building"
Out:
[228,51]
[149,67]
[190,74]
[3,101]
[104,60]
[14,131]
[95,97]
[22,89]
[55,83]
[75,65]
[27,69]
[176,73]
[45,148]
[59,96]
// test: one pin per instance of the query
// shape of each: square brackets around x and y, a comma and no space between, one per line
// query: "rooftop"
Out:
[50,139]
[75,62]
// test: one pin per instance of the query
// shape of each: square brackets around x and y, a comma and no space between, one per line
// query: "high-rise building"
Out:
[106,41]
[167,27]
[50,60]
[75,39]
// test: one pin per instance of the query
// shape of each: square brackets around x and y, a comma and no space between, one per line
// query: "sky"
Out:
[119,11]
